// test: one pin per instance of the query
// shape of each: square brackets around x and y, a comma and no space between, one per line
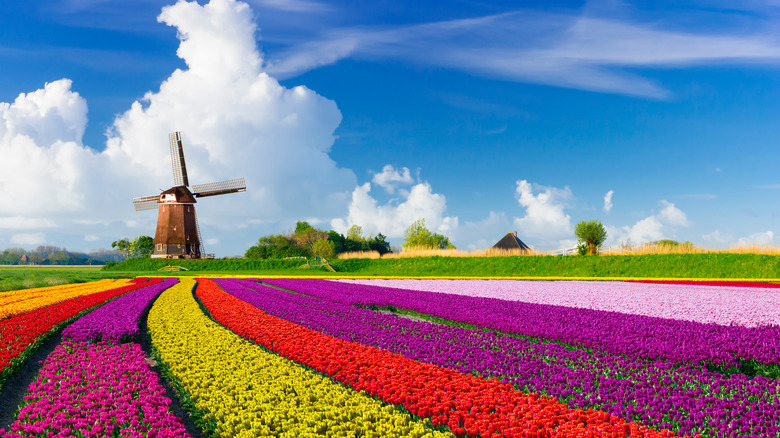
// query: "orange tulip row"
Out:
[21,301]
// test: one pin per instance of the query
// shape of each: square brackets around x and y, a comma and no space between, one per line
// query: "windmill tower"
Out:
[178,233]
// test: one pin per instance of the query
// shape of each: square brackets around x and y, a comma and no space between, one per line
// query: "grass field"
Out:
[693,265]
[25,277]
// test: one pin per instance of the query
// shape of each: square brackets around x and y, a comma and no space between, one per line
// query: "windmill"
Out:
[178,232]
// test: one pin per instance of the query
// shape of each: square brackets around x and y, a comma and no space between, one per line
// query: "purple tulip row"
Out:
[635,336]
[685,398]
[724,305]
[117,319]
[96,390]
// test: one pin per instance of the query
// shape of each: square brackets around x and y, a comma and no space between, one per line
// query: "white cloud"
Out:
[717,237]
[608,201]
[236,121]
[766,238]
[389,177]
[672,215]
[654,227]
[544,216]
[28,238]
[562,49]
[393,218]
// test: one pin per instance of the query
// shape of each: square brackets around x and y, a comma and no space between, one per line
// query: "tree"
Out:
[355,232]
[275,246]
[418,236]
[592,235]
[305,235]
[142,246]
[123,245]
[323,248]
[379,244]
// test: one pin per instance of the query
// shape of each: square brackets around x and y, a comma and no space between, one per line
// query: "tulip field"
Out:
[298,357]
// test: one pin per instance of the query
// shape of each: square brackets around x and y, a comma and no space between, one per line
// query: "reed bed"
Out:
[649,248]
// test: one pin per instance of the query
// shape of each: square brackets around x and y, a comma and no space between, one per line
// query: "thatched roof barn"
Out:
[510,241]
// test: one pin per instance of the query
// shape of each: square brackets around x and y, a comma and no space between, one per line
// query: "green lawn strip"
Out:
[425,420]
[710,266]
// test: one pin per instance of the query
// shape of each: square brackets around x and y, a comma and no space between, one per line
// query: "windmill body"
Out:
[178,233]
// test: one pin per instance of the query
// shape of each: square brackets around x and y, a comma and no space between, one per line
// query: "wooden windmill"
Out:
[178,233]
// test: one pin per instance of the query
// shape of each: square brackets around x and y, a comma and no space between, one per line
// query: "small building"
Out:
[510,242]
[23,259]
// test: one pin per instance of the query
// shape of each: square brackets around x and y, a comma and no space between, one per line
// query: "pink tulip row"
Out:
[96,390]
[724,305]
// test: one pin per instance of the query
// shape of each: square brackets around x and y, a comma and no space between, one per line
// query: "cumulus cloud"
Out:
[484,233]
[608,201]
[544,216]
[654,227]
[758,239]
[391,177]
[235,119]
[393,218]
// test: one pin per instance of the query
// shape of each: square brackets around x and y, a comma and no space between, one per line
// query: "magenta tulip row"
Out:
[96,390]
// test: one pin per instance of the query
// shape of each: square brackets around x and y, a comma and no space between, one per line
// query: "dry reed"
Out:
[648,248]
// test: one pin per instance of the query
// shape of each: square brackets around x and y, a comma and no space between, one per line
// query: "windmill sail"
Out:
[177,160]
[219,188]
[145,202]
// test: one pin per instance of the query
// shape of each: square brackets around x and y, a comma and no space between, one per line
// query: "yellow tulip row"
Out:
[252,393]
[21,301]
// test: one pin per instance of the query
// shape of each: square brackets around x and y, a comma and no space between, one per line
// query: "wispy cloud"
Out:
[707,196]
[292,5]
[567,50]
[769,186]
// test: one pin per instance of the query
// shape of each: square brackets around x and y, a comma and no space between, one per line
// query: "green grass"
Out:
[714,265]
[25,277]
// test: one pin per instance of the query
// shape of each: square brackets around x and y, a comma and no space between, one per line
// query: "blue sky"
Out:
[481,118]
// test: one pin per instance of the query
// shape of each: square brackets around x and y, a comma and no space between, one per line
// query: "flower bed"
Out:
[247,391]
[465,403]
[634,336]
[334,358]
[19,332]
[724,303]
[96,390]
[21,301]
[117,319]
[684,397]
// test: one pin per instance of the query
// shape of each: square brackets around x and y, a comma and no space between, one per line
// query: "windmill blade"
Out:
[146,202]
[202,245]
[219,188]
[177,160]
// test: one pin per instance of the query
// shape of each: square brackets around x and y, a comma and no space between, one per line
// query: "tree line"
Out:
[54,255]
[307,241]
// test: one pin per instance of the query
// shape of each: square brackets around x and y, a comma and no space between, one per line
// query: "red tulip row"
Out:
[467,404]
[18,332]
